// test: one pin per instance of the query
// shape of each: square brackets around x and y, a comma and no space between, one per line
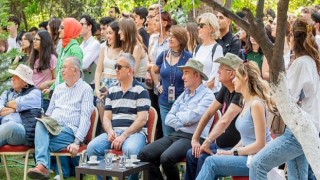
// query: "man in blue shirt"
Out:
[71,106]
[183,117]
[18,108]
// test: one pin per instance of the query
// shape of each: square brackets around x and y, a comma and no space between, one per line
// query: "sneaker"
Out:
[57,177]
[39,172]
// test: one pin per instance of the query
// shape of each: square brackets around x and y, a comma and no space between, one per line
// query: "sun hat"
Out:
[51,125]
[23,72]
[230,60]
[195,65]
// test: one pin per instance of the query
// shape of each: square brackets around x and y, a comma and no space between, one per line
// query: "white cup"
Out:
[133,158]
[129,162]
[93,158]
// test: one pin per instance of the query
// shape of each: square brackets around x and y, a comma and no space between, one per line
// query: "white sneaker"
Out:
[57,177]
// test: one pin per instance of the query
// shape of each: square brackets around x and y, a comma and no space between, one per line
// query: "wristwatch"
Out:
[235,152]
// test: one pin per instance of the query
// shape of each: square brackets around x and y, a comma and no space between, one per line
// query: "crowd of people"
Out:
[127,63]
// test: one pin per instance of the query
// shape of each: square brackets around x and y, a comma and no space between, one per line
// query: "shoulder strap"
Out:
[196,49]
[214,49]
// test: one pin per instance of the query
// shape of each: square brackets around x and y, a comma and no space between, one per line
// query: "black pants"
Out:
[166,151]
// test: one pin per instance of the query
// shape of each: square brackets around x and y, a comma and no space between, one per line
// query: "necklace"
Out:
[175,54]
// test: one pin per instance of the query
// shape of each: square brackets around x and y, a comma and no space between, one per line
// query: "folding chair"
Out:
[83,147]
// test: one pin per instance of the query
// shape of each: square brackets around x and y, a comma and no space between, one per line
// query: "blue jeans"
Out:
[167,130]
[131,146]
[283,149]
[216,166]
[12,133]
[46,143]
[194,164]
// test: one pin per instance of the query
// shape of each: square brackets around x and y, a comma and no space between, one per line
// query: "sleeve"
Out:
[86,111]
[3,99]
[171,119]
[143,101]
[53,62]
[236,99]
[221,94]
[160,58]
[300,78]
[108,102]
[29,101]
[91,54]
[77,52]
[235,45]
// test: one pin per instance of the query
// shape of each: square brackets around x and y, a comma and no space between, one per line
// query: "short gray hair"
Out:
[129,58]
[76,63]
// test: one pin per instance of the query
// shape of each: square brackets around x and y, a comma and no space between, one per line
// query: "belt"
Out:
[140,79]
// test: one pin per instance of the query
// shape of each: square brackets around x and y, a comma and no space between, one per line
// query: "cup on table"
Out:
[122,162]
[108,160]
[93,158]
[83,159]
[133,158]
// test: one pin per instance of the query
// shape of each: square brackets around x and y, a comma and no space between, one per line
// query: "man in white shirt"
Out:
[13,25]
[90,48]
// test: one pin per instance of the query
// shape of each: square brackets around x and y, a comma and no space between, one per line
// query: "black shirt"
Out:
[230,43]
[231,136]
[145,36]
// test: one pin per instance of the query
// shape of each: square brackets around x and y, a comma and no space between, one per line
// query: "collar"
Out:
[74,85]
[227,36]
[87,41]
[200,88]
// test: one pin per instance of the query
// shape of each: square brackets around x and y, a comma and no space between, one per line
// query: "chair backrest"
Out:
[93,126]
[216,118]
[152,124]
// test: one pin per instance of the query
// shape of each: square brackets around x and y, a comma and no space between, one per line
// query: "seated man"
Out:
[224,133]
[71,106]
[18,108]
[126,114]
[183,117]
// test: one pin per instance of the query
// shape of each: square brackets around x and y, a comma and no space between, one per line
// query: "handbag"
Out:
[276,123]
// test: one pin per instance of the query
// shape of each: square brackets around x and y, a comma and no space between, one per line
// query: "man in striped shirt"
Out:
[71,106]
[125,116]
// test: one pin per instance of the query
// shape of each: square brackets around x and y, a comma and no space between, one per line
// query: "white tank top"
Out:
[108,64]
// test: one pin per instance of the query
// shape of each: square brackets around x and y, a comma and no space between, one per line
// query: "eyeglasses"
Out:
[119,66]
[200,25]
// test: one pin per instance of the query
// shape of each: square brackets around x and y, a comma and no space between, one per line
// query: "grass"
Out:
[16,165]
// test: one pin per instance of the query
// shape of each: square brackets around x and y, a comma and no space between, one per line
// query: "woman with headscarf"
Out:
[69,30]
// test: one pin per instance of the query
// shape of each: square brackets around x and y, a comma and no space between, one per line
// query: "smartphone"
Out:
[103,89]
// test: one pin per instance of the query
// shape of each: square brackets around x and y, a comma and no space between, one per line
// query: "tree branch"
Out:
[276,67]
[259,12]
[216,6]
[228,4]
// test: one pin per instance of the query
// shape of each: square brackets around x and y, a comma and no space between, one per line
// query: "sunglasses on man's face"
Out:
[200,25]
[119,66]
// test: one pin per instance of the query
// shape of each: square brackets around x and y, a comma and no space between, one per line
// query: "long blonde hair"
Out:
[256,85]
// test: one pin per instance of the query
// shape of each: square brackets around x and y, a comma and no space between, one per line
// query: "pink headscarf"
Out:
[72,30]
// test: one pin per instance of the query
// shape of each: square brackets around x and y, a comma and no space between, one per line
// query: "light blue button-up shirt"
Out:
[25,102]
[72,107]
[188,109]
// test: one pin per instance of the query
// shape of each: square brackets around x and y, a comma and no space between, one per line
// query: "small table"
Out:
[100,169]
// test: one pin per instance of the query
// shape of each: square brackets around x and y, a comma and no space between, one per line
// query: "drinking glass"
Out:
[122,162]
[108,159]
[83,159]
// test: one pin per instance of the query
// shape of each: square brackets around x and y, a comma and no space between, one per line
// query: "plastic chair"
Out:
[11,150]
[83,147]
[151,129]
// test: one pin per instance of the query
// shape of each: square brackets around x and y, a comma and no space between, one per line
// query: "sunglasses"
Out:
[119,67]
[200,25]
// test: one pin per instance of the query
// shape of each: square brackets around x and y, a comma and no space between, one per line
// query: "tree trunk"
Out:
[294,117]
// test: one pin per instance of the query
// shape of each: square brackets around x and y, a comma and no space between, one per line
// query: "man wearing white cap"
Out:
[18,108]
